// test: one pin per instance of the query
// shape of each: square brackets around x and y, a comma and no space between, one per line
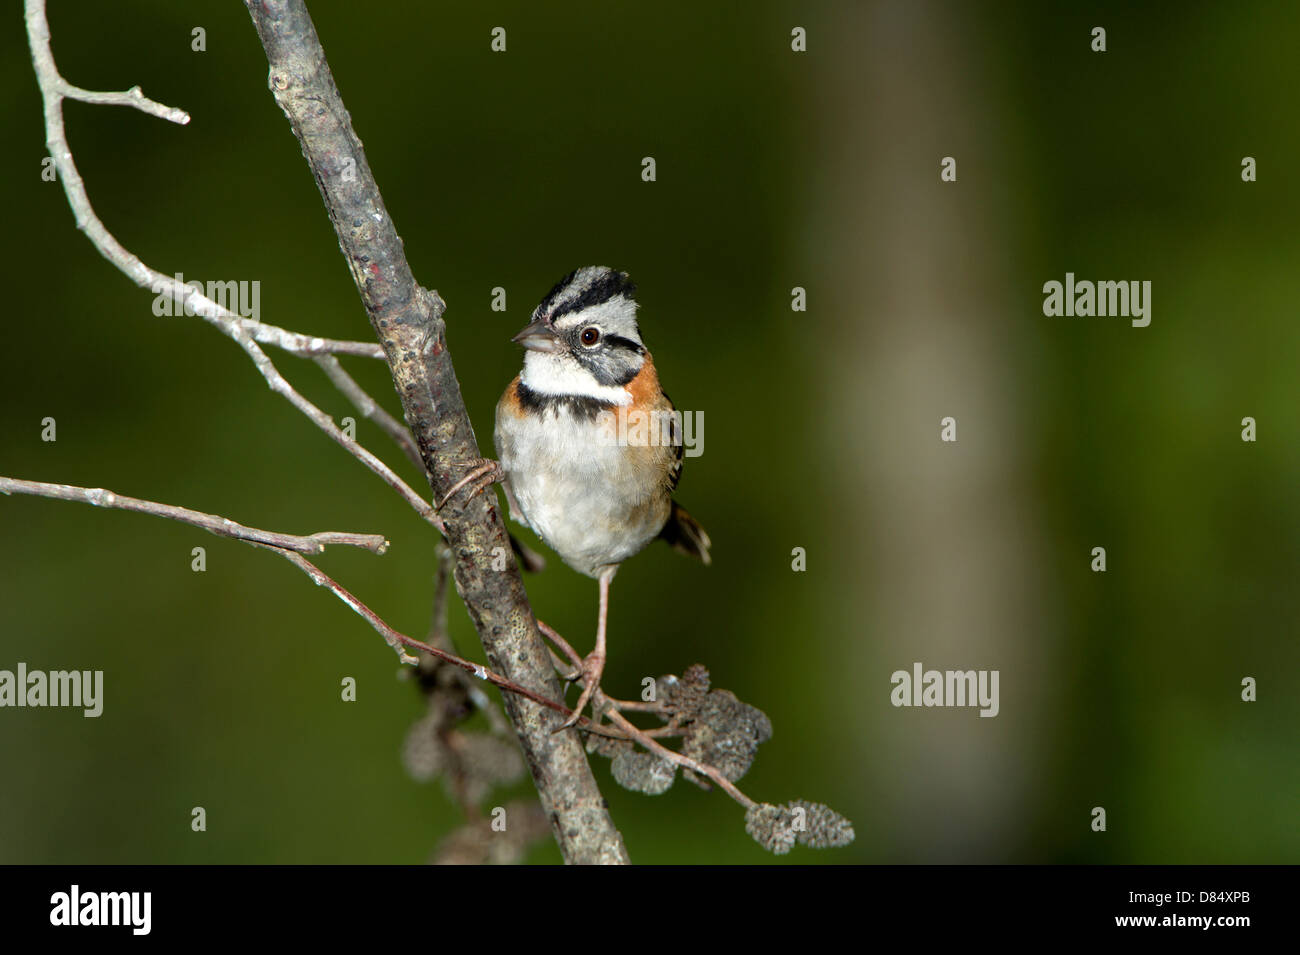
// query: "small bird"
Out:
[594,491]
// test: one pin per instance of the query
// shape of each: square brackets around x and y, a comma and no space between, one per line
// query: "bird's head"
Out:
[583,339]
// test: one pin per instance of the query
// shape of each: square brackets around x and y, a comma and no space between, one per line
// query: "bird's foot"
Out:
[592,669]
[485,473]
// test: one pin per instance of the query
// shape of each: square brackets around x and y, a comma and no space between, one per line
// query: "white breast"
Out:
[584,495]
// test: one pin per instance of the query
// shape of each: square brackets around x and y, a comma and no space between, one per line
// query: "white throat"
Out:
[550,374]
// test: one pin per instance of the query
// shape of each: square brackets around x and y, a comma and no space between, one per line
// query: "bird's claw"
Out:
[592,669]
[485,473]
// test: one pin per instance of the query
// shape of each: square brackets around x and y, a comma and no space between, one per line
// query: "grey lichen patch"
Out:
[726,733]
[684,695]
[824,827]
[812,824]
[643,772]
[770,827]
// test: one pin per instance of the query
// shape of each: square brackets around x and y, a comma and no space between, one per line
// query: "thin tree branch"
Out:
[306,346]
[280,386]
[398,640]
[213,524]
[54,89]
[289,546]
[408,321]
[292,547]
[369,408]
[133,97]
[247,333]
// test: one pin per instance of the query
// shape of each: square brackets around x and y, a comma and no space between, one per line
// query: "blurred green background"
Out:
[775,169]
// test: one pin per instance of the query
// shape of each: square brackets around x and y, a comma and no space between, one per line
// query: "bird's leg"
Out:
[485,473]
[594,666]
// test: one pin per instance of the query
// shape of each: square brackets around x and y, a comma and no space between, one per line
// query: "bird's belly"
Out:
[591,501]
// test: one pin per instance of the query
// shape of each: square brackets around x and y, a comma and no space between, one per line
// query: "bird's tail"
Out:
[683,533]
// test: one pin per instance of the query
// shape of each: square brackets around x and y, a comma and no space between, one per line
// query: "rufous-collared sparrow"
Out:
[570,471]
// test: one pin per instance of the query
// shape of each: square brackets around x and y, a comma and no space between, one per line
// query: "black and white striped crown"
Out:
[585,288]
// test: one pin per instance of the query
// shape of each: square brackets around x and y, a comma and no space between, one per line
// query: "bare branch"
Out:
[54,89]
[289,546]
[280,386]
[38,33]
[247,333]
[370,408]
[292,547]
[133,97]
[213,524]
[307,346]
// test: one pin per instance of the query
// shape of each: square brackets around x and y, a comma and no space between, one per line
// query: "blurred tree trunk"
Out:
[910,280]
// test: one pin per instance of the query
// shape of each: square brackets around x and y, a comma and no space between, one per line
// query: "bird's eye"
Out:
[590,335]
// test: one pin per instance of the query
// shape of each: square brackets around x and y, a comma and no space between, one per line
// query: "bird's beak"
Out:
[540,335]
